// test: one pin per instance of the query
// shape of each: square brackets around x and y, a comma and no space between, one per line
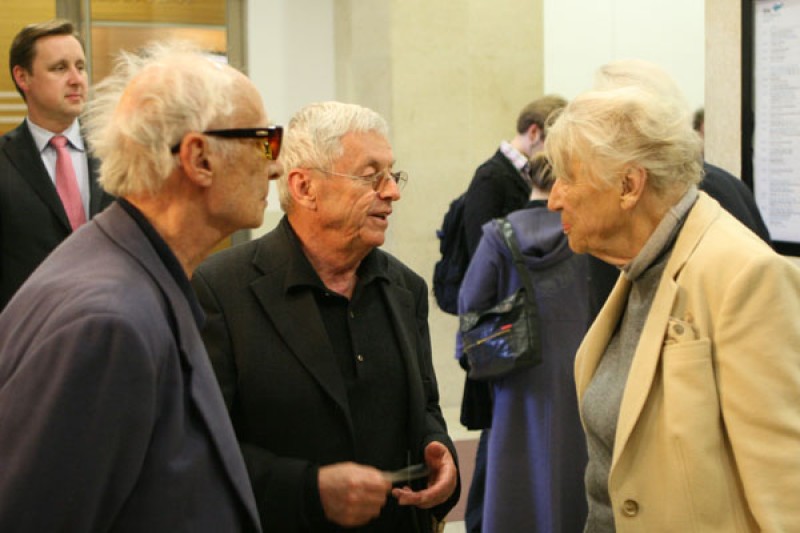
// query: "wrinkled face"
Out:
[591,214]
[242,172]
[352,209]
[56,87]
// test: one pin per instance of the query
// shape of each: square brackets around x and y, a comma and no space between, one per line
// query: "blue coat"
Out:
[111,418]
[536,449]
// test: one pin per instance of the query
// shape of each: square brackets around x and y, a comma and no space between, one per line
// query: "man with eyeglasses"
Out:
[321,345]
[111,417]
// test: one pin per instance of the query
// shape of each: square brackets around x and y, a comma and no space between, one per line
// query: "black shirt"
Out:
[171,262]
[366,349]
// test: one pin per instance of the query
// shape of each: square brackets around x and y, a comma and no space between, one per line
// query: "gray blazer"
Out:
[110,413]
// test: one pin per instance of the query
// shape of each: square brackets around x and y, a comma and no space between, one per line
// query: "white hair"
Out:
[151,99]
[314,134]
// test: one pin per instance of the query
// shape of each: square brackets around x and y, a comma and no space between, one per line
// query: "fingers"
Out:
[352,494]
[442,481]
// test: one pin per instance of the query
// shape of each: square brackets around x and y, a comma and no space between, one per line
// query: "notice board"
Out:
[771,115]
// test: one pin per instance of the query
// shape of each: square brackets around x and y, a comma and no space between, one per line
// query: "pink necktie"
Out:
[67,183]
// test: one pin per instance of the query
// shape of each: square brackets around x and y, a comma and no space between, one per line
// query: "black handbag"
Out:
[506,337]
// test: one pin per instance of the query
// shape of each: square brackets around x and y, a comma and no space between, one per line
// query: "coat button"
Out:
[630,508]
[360,358]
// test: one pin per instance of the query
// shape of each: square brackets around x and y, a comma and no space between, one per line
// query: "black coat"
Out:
[32,218]
[283,386]
[496,190]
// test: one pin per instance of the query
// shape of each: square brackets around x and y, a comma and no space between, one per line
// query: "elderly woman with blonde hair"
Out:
[689,379]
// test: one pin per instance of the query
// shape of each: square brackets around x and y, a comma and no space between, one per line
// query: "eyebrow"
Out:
[375,163]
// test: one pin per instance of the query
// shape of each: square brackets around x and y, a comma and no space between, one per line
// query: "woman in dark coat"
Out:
[536,450]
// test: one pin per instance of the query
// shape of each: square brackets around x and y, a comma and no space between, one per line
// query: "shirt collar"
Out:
[42,136]
[302,274]
[166,255]
[663,237]
[518,159]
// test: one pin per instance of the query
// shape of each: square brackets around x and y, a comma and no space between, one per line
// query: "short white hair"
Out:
[313,137]
[635,114]
[146,106]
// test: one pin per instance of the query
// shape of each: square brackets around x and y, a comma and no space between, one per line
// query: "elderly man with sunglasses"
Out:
[321,344]
[111,417]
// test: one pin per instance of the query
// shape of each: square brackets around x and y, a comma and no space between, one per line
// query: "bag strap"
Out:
[511,241]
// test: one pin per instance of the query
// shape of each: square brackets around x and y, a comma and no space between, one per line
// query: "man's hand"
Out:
[352,494]
[442,480]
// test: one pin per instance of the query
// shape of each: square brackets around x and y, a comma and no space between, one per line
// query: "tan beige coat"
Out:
[708,438]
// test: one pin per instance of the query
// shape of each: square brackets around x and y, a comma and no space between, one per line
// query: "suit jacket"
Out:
[285,390]
[32,217]
[112,418]
[708,431]
[496,190]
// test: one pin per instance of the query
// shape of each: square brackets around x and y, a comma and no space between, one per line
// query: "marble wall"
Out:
[450,77]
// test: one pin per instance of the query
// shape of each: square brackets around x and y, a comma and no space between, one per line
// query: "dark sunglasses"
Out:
[272,136]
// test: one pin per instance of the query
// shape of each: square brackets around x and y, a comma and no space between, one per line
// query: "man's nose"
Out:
[76,75]
[274,170]
[389,188]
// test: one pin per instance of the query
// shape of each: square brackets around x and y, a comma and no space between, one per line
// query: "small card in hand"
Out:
[407,474]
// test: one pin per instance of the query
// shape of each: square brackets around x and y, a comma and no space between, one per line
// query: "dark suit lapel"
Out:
[296,316]
[96,193]
[22,153]
[401,312]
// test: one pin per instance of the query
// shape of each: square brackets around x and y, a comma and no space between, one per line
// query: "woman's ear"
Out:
[633,184]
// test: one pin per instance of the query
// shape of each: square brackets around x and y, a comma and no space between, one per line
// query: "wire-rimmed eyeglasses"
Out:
[377,179]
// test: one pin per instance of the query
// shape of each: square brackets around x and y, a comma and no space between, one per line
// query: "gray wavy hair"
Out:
[151,99]
[313,138]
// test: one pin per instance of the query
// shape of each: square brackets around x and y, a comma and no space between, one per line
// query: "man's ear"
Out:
[194,159]
[301,187]
[535,133]
[633,183]
[21,77]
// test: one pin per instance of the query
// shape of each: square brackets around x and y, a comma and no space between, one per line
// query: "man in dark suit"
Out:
[501,185]
[111,416]
[49,70]
[321,344]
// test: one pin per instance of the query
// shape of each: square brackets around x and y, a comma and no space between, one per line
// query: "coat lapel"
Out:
[296,314]
[204,392]
[594,344]
[665,305]
[401,313]
[22,153]
[96,193]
